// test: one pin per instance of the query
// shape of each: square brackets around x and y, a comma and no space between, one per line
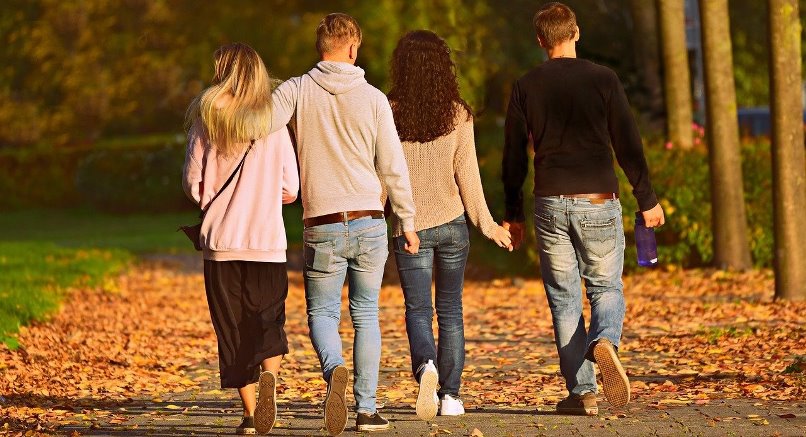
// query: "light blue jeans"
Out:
[357,250]
[578,240]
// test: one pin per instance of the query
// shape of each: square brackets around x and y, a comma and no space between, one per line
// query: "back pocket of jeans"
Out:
[599,236]
[319,256]
[373,251]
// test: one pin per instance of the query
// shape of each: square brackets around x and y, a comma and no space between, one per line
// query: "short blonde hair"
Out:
[555,23]
[336,30]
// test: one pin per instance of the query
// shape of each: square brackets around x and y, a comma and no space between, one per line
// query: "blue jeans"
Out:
[443,253]
[577,238]
[357,250]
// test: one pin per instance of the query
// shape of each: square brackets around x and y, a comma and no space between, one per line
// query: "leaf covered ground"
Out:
[692,337]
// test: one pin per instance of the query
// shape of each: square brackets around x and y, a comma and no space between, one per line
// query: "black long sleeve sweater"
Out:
[575,111]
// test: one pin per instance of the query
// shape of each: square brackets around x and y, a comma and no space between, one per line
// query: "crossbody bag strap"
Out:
[226,184]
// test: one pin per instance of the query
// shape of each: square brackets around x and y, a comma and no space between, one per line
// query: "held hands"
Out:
[412,242]
[502,238]
[654,217]
[516,231]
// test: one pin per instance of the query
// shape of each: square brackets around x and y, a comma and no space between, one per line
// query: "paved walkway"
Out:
[706,357]
[208,412]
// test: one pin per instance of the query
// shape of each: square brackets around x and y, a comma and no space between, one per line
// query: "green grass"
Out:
[45,252]
[34,278]
[136,233]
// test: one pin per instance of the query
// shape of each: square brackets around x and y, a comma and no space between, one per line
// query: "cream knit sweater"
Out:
[445,180]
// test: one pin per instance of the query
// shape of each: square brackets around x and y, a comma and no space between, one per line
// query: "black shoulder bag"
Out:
[193,232]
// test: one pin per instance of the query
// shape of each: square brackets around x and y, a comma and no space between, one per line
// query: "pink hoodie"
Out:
[245,223]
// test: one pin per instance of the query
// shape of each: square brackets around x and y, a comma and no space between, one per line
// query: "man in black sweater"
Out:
[575,111]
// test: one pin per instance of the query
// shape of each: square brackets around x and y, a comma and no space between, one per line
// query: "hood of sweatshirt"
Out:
[337,77]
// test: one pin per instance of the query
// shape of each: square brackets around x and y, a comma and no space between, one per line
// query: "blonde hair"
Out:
[336,30]
[236,108]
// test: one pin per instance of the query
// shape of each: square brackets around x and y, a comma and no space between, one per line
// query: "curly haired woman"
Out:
[242,234]
[436,128]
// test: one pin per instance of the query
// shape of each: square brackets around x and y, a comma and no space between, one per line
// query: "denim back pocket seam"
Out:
[459,233]
[548,219]
[599,236]
[368,247]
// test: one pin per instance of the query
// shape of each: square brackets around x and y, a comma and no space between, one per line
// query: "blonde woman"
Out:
[242,175]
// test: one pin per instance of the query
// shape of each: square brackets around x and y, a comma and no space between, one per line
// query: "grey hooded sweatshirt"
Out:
[347,143]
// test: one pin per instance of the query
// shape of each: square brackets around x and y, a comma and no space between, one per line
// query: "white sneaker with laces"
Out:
[451,406]
[427,399]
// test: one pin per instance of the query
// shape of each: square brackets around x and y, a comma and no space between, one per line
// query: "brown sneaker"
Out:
[336,402]
[579,405]
[614,379]
[266,409]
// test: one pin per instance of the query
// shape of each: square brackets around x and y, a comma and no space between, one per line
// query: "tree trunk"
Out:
[676,72]
[788,156]
[731,248]
[645,36]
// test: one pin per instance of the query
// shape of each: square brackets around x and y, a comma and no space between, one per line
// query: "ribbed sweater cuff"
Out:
[408,224]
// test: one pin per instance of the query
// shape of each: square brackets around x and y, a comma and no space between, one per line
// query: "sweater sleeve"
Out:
[468,179]
[290,172]
[515,165]
[392,168]
[192,168]
[284,103]
[626,142]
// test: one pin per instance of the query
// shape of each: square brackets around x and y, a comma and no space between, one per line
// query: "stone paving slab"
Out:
[192,414]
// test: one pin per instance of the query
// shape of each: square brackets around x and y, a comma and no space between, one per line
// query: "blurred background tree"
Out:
[78,72]
[93,92]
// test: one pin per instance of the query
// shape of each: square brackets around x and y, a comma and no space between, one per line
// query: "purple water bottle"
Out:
[645,243]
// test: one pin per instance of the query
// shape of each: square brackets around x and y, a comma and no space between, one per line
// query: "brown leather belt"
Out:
[595,198]
[341,217]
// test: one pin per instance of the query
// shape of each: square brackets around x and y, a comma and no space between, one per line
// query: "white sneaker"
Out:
[427,399]
[451,406]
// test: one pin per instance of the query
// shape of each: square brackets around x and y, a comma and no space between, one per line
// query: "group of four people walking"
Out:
[251,143]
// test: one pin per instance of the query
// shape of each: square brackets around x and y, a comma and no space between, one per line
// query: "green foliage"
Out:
[137,180]
[120,175]
[79,71]
[682,182]
[34,277]
[38,177]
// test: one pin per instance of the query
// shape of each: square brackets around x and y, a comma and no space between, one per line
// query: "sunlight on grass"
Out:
[34,277]
[45,252]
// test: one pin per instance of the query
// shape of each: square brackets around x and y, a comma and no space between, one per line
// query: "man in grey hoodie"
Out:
[348,148]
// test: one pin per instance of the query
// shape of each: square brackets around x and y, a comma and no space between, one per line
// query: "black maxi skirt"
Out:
[247,307]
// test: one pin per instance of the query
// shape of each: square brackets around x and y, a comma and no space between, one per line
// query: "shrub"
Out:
[139,180]
[35,178]
[682,182]
[140,174]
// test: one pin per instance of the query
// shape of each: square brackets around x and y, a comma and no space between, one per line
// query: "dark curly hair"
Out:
[425,93]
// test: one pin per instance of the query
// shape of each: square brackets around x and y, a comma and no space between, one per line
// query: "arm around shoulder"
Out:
[290,169]
[284,103]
